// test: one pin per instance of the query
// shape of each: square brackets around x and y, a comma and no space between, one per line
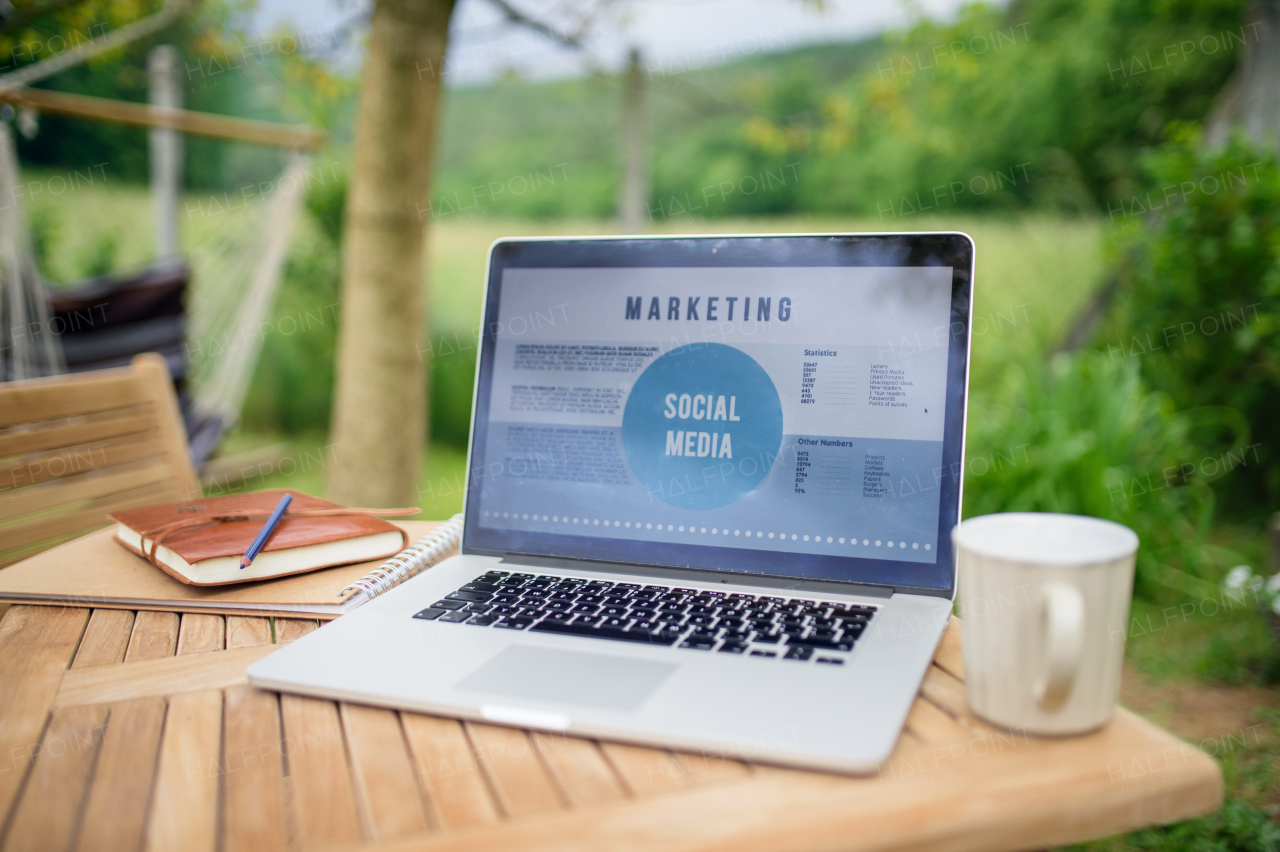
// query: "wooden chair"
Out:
[75,447]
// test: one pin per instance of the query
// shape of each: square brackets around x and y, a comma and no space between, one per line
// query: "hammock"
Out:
[235,274]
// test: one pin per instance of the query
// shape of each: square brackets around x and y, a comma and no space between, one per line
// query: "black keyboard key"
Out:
[698,645]
[482,620]
[430,613]
[591,599]
[493,575]
[798,652]
[535,595]
[733,648]
[469,597]
[626,588]
[831,661]
[647,624]
[852,631]
[522,577]
[480,586]
[504,598]
[518,622]
[585,609]
[702,610]
[615,622]
[505,611]
[644,613]
[584,618]
[764,653]
[735,636]
[700,620]
[823,635]
[616,600]
[614,611]
[770,638]
[645,637]
[564,596]
[479,608]
[843,644]
[457,616]
[556,606]
[448,604]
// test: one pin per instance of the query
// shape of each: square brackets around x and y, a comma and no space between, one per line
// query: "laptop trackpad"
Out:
[569,677]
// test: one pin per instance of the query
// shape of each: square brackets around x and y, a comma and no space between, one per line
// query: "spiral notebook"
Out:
[95,571]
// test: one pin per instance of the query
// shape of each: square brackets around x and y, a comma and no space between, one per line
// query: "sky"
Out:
[672,35]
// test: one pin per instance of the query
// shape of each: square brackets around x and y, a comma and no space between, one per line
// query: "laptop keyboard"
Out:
[760,626]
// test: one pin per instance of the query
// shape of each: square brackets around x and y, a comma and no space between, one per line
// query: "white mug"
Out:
[1038,594]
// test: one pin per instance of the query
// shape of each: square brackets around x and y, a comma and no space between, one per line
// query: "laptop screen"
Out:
[788,420]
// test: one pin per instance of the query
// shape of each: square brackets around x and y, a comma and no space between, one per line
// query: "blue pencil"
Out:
[265,533]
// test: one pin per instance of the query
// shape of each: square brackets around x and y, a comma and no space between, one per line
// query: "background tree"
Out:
[379,411]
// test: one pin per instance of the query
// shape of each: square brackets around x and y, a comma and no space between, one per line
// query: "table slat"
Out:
[246,631]
[457,794]
[1039,794]
[253,810]
[950,653]
[519,778]
[105,639]
[116,812]
[200,633]
[36,645]
[184,811]
[707,769]
[49,810]
[932,725]
[155,634]
[289,629]
[385,778]
[646,771]
[580,769]
[945,691]
[160,676]
[321,799]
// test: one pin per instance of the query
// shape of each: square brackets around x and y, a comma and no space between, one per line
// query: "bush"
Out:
[1199,303]
[1080,435]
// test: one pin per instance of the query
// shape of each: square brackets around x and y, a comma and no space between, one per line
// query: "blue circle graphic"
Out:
[702,426]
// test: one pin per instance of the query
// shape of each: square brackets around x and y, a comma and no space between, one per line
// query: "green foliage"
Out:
[1083,436]
[292,389]
[100,254]
[1237,827]
[1044,103]
[1200,303]
[452,380]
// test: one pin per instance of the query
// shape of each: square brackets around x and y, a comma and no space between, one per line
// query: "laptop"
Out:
[710,491]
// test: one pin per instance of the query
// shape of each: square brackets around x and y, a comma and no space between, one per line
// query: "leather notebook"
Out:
[95,571]
[201,541]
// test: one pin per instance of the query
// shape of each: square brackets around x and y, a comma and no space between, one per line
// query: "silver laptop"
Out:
[710,492]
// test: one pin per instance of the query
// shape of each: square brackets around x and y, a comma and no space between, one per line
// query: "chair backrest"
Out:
[75,447]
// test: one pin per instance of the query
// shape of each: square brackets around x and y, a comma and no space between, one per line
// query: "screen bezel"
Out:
[951,249]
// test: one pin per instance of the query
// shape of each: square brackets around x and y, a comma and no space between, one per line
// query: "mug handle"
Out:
[1062,614]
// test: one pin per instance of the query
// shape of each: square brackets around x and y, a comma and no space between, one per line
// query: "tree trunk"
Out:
[1251,98]
[633,205]
[379,409]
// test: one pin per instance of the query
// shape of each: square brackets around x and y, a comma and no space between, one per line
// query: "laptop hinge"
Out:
[784,584]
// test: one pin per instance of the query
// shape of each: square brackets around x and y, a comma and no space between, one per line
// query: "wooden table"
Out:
[122,730]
